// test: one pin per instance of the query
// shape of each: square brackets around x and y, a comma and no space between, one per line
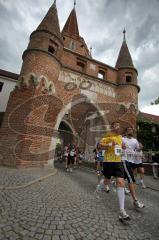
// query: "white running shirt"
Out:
[132,146]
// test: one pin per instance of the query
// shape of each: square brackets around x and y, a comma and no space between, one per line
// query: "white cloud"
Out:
[153,109]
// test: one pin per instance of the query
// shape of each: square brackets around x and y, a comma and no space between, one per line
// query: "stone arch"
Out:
[88,118]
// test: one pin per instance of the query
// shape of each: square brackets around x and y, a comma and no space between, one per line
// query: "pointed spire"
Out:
[124,59]
[51,22]
[71,25]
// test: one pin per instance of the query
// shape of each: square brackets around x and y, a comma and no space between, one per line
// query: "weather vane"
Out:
[124,32]
[74,3]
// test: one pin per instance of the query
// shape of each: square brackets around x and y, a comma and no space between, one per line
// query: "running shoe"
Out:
[143,185]
[127,191]
[155,177]
[137,181]
[70,169]
[123,215]
[138,204]
[98,188]
[107,189]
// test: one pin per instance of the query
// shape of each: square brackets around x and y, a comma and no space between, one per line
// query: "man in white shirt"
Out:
[130,145]
[135,154]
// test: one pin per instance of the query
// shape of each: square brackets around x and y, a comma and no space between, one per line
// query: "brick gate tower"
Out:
[60,85]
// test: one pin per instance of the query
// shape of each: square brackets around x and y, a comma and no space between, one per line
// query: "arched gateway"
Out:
[61,87]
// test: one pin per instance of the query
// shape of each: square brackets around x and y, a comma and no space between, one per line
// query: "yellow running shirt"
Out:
[112,153]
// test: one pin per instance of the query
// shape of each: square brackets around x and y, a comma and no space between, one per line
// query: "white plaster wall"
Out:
[8,86]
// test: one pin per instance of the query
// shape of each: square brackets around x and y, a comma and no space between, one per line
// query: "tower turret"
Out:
[127,72]
[45,41]
[127,91]
[28,116]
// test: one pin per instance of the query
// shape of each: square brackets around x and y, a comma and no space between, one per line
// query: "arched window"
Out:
[128,78]
[1,86]
[51,49]
[80,66]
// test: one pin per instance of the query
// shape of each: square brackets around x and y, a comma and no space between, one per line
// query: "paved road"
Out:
[65,207]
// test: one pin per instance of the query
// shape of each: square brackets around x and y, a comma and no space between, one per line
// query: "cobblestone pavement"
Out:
[152,183]
[16,177]
[65,207]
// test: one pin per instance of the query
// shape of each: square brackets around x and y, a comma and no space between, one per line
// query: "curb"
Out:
[30,183]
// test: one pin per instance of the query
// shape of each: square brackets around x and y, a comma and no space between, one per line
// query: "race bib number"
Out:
[72,153]
[117,150]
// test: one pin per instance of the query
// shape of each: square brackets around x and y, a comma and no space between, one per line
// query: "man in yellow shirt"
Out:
[112,164]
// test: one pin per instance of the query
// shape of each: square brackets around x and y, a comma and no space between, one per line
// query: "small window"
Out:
[128,79]
[101,74]
[81,66]
[1,86]
[72,45]
[51,49]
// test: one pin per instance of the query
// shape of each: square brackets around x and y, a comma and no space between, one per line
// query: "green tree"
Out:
[155,102]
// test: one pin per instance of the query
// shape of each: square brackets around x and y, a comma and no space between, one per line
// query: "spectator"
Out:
[155,165]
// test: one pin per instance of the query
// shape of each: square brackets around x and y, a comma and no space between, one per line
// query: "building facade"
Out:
[8,81]
[63,92]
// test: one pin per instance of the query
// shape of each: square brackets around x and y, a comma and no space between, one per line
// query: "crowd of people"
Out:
[72,156]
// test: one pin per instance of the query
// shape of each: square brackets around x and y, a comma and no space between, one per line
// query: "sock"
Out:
[121,197]
[141,181]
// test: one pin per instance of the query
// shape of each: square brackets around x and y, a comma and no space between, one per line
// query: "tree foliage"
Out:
[155,102]
[147,136]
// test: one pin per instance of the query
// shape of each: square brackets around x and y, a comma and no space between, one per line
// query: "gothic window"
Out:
[1,86]
[51,49]
[101,74]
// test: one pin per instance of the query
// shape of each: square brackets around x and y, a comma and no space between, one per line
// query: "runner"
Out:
[99,156]
[71,157]
[130,145]
[138,166]
[81,157]
[65,154]
[113,166]
[76,157]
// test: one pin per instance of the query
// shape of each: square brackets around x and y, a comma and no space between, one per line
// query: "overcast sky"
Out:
[101,23]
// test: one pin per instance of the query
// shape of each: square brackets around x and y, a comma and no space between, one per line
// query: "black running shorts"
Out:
[114,169]
[134,165]
[128,172]
[71,160]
